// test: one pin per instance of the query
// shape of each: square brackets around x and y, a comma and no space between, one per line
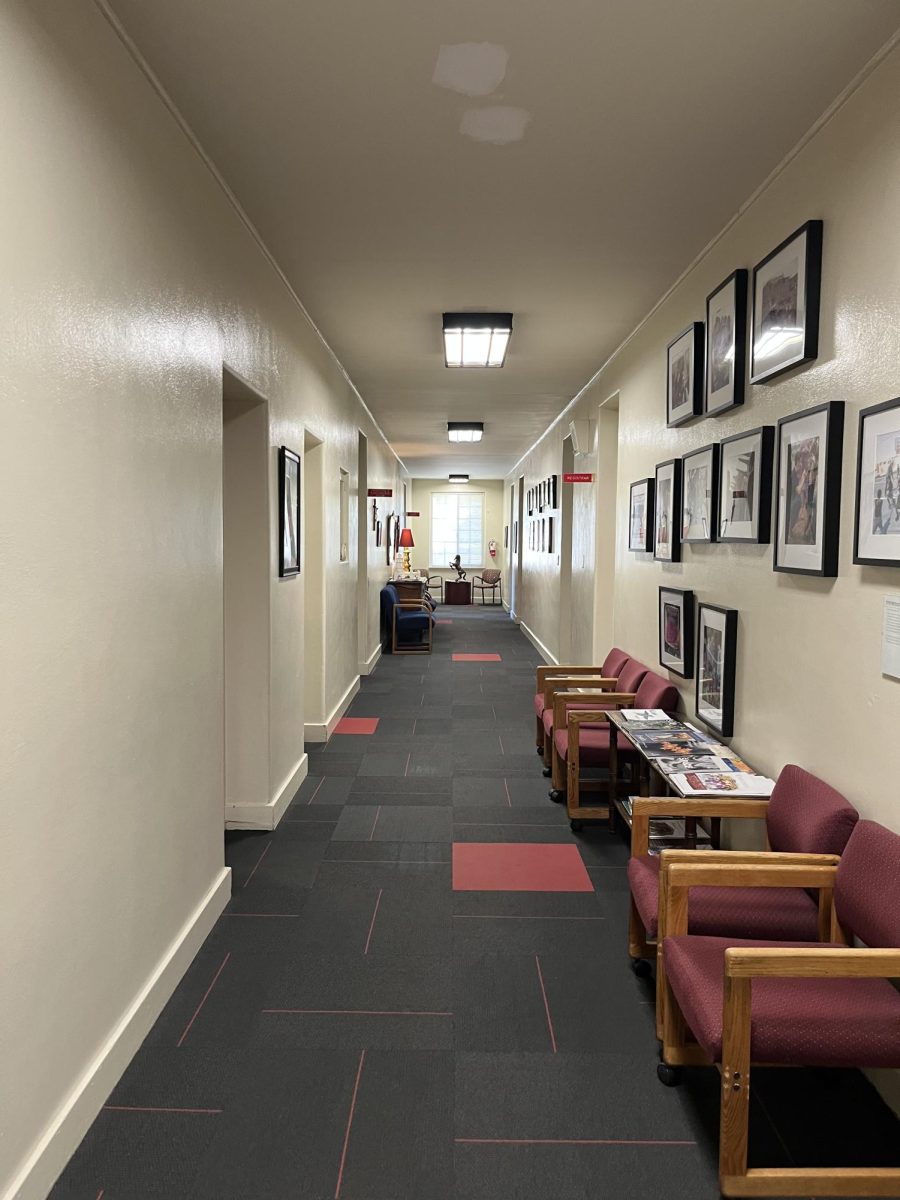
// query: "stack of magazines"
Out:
[691,760]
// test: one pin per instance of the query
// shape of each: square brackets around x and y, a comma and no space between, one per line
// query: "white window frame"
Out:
[470,493]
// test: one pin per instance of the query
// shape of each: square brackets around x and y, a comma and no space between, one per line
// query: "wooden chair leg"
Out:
[637,934]
[673,1032]
[558,777]
[539,734]
[734,1118]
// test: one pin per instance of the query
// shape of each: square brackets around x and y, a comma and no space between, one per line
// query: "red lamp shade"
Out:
[406,538]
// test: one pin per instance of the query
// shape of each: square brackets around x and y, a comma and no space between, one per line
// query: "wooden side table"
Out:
[457,591]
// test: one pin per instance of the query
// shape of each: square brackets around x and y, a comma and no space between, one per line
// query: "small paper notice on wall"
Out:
[890,636]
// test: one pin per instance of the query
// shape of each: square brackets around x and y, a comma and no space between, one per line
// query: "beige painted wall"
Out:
[809,684]
[128,280]
[496,508]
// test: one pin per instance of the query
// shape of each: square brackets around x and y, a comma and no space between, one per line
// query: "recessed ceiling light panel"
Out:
[458,478]
[476,339]
[465,431]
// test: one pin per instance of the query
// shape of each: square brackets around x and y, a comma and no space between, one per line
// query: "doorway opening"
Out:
[605,526]
[246,547]
[313,567]
[517,534]
[362,556]
[566,503]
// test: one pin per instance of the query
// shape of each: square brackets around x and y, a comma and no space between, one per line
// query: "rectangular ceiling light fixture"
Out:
[476,339]
[465,431]
[458,478]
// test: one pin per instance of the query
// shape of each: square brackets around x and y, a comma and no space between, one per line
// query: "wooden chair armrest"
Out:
[419,605]
[562,683]
[750,857]
[784,874]
[564,669]
[844,962]
[645,807]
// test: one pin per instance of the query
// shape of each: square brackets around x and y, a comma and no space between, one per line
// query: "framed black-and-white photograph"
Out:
[640,516]
[808,458]
[684,375]
[554,491]
[716,660]
[667,511]
[377,533]
[700,494]
[289,512]
[549,535]
[745,486]
[544,535]
[726,344]
[676,631]
[876,537]
[786,288]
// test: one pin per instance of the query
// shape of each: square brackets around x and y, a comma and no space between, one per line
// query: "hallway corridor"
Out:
[356,1029]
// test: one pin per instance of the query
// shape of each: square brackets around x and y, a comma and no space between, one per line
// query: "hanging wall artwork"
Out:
[684,375]
[716,659]
[726,341]
[876,537]
[786,289]
[289,512]
[640,516]
[676,631]
[699,494]
[667,514]
[745,486]
[808,491]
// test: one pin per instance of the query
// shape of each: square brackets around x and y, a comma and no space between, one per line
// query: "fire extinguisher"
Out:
[492,548]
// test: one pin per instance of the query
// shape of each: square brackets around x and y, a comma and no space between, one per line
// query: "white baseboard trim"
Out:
[61,1138]
[321,733]
[539,645]
[267,816]
[367,667]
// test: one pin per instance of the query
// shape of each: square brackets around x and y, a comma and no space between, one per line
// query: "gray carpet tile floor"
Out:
[353,1029]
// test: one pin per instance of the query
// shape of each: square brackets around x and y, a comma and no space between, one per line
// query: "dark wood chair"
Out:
[435,583]
[733,1002]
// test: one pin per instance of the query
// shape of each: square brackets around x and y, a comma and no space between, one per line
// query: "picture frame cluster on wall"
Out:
[544,495]
[700,642]
[540,535]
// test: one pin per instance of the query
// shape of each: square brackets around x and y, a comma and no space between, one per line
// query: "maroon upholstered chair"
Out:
[804,815]
[551,679]
[798,1003]
[584,741]
[627,683]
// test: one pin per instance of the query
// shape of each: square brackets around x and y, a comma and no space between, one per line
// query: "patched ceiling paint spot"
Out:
[472,68]
[496,124]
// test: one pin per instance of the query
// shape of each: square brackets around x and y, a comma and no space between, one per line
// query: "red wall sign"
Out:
[578,477]
[381,491]
[410,513]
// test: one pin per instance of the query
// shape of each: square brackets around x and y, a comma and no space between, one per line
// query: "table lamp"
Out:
[406,541]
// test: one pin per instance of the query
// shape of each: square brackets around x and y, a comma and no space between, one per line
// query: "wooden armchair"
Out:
[435,582]
[804,815]
[734,1002]
[550,684]
[608,669]
[627,680]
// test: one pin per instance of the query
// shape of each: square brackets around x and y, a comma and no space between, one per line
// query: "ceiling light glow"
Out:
[465,431]
[476,339]
[458,478]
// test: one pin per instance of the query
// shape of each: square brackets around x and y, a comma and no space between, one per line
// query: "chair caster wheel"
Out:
[539,749]
[576,826]
[641,968]
[670,1076]
[547,772]
[557,796]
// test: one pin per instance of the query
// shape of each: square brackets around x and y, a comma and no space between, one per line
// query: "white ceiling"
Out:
[357,147]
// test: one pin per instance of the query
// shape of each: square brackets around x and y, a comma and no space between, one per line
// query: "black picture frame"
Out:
[554,491]
[784,353]
[667,521]
[688,489]
[876,423]
[505,537]
[378,533]
[389,539]
[549,535]
[681,599]
[799,500]
[726,305]
[289,513]
[759,503]
[725,620]
[686,348]
[642,545]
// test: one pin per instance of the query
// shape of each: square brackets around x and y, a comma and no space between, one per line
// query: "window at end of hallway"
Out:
[457,527]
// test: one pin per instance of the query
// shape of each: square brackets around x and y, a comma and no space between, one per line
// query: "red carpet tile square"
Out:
[477,658]
[518,867]
[357,725]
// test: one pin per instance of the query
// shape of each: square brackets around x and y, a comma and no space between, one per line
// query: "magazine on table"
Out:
[665,744]
[700,759]
[722,783]
[645,716]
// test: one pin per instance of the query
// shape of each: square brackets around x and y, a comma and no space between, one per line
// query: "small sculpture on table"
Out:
[460,573]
